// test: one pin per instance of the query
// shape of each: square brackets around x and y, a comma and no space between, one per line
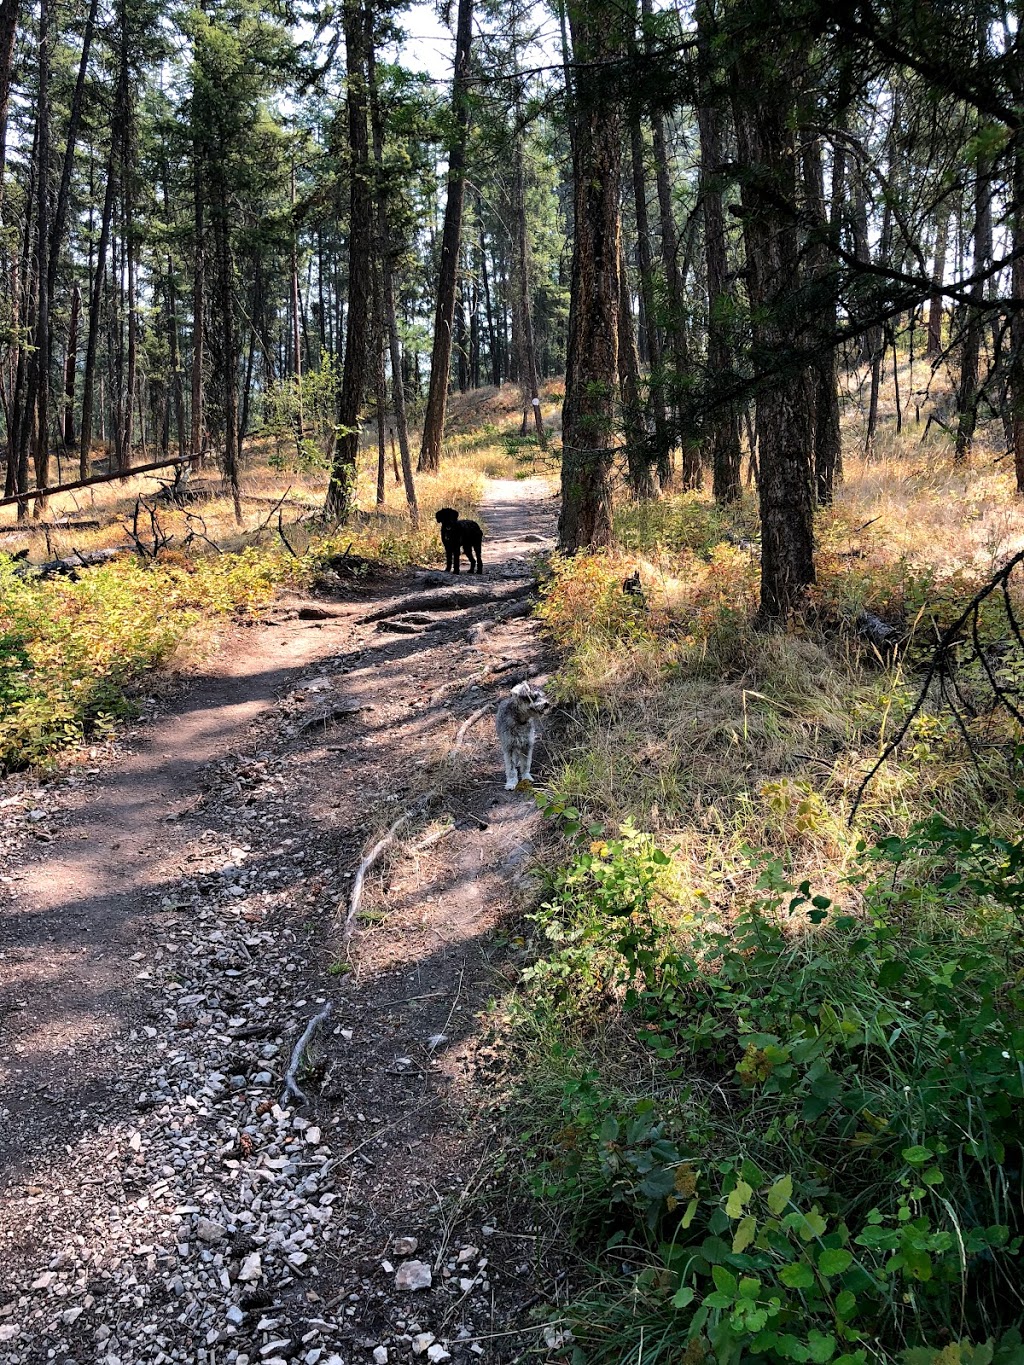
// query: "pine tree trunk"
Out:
[938,274]
[353,380]
[96,298]
[968,393]
[828,449]
[228,345]
[70,370]
[765,80]
[724,426]
[8,31]
[528,378]
[441,354]
[197,415]
[588,413]
[637,462]
[652,332]
[385,254]
[40,367]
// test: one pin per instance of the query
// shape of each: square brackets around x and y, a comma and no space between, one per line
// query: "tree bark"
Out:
[40,367]
[385,254]
[70,369]
[528,377]
[8,30]
[341,489]
[662,442]
[723,430]
[938,274]
[764,80]
[968,392]
[441,354]
[828,449]
[198,324]
[588,413]
[637,462]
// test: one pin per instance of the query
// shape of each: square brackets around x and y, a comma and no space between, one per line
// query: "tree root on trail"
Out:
[291,1087]
[467,723]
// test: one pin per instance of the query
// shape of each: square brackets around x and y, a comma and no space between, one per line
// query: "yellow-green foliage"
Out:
[67,649]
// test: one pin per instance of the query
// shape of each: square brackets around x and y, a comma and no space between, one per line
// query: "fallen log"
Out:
[27,528]
[68,566]
[452,600]
[56,488]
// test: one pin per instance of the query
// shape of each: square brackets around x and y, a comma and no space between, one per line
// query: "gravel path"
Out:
[170,922]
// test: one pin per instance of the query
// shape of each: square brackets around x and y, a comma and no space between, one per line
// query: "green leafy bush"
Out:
[828,1166]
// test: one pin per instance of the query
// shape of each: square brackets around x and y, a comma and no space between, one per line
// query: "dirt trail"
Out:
[169,930]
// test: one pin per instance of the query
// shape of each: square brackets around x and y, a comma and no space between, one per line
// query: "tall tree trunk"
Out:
[131,370]
[724,427]
[8,31]
[588,413]
[441,355]
[1017,325]
[385,254]
[942,222]
[662,442]
[528,377]
[196,442]
[968,393]
[96,298]
[765,79]
[300,434]
[676,321]
[341,489]
[637,461]
[70,369]
[221,216]
[828,450]
[41,358]
[492,333]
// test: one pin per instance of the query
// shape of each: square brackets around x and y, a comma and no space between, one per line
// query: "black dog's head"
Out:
[447,516]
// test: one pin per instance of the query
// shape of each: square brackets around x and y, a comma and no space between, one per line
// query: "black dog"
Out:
[456,536]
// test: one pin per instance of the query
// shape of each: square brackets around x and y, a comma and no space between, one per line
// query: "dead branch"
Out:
[291,1087]
[375,853]
[942,667]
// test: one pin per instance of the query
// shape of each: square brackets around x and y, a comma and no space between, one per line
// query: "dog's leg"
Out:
[528,774]
[511,779]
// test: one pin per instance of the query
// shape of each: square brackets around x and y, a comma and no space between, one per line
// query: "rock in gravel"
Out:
[413,1275]
[380,1355]
[252,1268]
[437,1353]
[235,1315]
[8,1331]
[209,1231]
[405,1246]
[421,1342]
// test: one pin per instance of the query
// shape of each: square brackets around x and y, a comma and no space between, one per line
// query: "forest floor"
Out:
[173,917]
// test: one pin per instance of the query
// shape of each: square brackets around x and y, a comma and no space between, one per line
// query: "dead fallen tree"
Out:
[450,600]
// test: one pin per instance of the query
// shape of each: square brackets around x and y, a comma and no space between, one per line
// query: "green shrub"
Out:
[828,1164]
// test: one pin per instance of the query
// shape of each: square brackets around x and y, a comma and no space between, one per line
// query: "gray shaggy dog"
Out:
[515,722]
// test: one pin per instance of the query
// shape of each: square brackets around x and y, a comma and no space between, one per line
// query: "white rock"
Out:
[421,1342]
[8,1331]
[437,1353]
[413,1275]
[235,1315]
[209,1231]
[380,1355]
[44,1280]
[312,1136]
[72,1315]
[467,1254]
[466,1285]
[252,1268]
[555,1338]
[405,1246]
[387,1267]
[273,1347]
